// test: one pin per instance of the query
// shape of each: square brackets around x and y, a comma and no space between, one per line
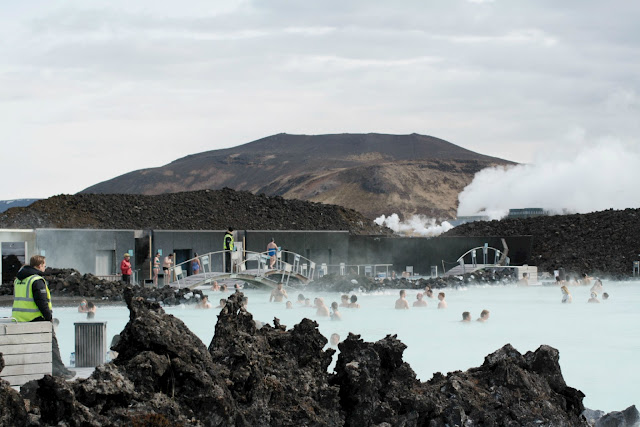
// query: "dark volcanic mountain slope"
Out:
[595,243]
[197,210]
[374,174]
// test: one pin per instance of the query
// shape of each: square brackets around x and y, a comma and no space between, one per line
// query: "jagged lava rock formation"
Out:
[164,375]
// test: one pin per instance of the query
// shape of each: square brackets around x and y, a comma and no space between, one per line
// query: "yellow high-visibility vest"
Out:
[25,308]
[230,247]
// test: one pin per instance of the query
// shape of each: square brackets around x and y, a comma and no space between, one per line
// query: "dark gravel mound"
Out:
[194,210]
[599,243]
[70,283]
[164,375]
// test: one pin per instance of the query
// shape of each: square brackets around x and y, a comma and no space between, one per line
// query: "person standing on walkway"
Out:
[272,251]
[125,267]
[228,247]
[166,268]
[156,268]
[32,303]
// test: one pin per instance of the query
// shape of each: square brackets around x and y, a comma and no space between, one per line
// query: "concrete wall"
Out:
[28,237]
[76,248]
[422,253]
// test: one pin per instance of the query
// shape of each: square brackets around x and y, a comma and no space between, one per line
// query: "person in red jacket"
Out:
[125,267]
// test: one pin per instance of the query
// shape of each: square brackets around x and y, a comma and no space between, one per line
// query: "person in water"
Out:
[429,293]
[594,298]
[334,340]
[525,280]
[597,287]
[289,305]
[223,302]
[402,303]
[566,295]
[466,316]
[335,315]
[484,316]
[204,303]
[301,299]
[278,294]
[442,303]
[82,308]
[354,302]
[322,309]
[420,302]
[605,296]
[215,286]
[344,300]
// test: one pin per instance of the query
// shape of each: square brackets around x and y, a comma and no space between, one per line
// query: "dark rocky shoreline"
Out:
[164,375]
[67,282]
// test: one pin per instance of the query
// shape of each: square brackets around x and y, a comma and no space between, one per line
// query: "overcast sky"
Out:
[92,90]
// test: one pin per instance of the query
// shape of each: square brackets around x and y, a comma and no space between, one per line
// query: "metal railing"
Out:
[301,266]
[367,269]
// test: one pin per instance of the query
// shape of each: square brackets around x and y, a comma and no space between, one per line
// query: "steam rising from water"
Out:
[576,178]
[416,225]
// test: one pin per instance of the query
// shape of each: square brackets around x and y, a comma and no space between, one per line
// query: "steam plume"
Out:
[415,225]
[575,178]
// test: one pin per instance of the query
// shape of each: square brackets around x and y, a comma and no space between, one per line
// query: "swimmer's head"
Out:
[335,339]
[565,290]
[354,298]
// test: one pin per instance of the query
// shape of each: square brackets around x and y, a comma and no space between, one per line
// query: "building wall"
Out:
[422,253]
[28,237]
[77,248]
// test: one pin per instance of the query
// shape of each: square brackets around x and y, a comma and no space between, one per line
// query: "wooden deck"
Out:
[26,349]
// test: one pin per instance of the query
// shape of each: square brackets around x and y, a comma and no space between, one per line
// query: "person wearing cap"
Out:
[125,268]
[228,247]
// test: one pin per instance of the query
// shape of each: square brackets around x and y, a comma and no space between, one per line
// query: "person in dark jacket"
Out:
[228,248]
[32,303]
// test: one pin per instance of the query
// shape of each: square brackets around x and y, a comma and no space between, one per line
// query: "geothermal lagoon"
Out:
[599,344]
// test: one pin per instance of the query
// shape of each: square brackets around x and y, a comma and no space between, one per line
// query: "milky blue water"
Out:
[599,344]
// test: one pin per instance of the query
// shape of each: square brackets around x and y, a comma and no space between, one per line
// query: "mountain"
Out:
[372,173]
[17,203]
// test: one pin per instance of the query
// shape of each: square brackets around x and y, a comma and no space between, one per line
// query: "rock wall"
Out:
[599,243]
[70,283]
[193,210]
[164,375]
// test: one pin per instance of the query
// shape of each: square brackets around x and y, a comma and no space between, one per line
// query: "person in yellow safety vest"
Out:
[32,303]
[228,247]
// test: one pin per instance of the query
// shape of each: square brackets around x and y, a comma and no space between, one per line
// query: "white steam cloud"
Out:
[416,225]
[576,177]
